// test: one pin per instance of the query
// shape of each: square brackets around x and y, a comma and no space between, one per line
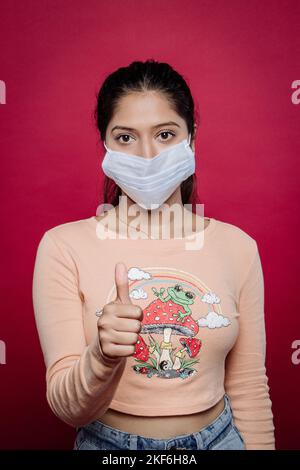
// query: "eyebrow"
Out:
[170,123]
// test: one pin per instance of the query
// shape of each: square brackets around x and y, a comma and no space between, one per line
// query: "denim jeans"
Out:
[220,434]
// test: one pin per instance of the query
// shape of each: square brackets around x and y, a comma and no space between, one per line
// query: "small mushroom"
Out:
[141,351]
[191,345]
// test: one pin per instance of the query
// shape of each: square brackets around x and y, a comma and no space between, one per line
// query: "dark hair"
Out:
[142,76]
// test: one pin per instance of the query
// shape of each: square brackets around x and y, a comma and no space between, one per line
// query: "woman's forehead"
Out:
[150,106]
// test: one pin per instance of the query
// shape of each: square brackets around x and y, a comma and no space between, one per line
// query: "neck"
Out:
[162,218]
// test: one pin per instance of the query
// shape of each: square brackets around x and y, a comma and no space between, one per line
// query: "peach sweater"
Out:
[203,328]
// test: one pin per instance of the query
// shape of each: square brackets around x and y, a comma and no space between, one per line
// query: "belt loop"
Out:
[199,440]
[132,441]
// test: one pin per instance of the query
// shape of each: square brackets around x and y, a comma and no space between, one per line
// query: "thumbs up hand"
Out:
[120,322]
[121,281]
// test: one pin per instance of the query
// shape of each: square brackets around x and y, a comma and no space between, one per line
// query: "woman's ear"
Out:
[193,140]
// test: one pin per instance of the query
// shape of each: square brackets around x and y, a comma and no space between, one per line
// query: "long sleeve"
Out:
[80,378]
[246,381]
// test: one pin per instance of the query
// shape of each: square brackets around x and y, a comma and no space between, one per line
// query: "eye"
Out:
[122,135]
[166,132]
[190,295]
[127,136]
[177,287]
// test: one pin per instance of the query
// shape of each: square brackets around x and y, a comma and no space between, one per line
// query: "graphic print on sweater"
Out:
[169,344]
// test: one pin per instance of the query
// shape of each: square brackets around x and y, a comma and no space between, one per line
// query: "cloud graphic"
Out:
[137,274]
[213,320]
[138,294]
[210,298]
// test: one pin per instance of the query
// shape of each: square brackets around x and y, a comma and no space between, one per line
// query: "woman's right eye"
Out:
[122,135]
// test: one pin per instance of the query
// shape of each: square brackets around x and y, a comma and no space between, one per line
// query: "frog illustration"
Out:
[180,297]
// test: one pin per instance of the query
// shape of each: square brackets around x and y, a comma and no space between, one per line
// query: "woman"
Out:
[150,344]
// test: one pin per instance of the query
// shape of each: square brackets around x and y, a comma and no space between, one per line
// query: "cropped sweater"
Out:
[203,328]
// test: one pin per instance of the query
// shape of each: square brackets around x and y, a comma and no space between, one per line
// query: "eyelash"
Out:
[162,132]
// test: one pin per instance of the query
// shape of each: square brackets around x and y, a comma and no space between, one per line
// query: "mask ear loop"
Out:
[189,140]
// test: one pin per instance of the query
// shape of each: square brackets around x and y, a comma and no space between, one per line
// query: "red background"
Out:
[240,59]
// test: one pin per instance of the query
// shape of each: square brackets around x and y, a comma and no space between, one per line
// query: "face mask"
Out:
[150,181]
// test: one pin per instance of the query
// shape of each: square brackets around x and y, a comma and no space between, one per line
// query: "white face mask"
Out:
[150,181]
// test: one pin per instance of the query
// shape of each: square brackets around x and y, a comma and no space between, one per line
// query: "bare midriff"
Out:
[162,427]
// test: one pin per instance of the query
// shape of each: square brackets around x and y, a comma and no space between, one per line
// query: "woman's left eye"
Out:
[166,132]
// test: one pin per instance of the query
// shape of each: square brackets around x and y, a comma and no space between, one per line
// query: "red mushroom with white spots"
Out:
[161,317]
[191,345]
[141,351]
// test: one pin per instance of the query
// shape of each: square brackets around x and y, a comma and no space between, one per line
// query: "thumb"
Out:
[121,281]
